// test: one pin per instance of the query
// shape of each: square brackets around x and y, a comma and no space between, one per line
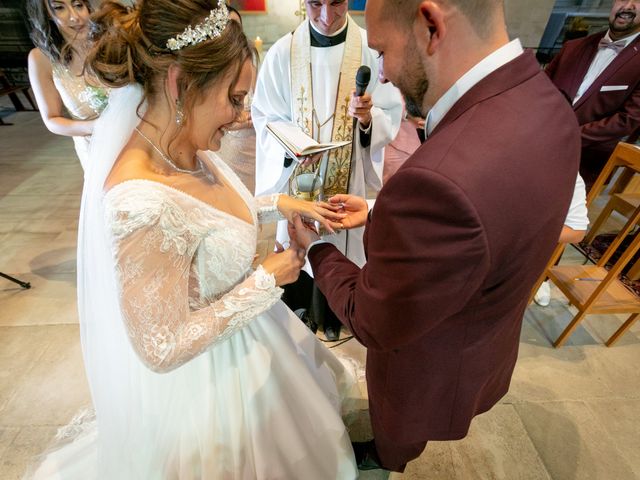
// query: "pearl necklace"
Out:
[166,157]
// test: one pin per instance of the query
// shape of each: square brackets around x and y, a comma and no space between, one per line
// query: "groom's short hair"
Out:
[480,13]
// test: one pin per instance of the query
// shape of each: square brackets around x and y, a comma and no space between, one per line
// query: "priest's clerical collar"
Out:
[320,40]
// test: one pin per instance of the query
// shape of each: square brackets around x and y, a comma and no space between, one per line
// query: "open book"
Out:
[296,142]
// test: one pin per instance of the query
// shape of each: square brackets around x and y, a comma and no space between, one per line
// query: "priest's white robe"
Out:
[272,102]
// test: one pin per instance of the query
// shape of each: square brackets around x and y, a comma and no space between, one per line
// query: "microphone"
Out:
[363,76]
[362,80]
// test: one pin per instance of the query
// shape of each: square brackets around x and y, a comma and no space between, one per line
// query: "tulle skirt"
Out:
[266,403]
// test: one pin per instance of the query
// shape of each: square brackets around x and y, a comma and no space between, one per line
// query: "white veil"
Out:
[109,360]
[86,449]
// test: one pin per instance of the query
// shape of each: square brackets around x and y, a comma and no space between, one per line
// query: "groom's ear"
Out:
[173,75]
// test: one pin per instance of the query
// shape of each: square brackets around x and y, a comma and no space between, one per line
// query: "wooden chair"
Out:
[593,289]
[7,88]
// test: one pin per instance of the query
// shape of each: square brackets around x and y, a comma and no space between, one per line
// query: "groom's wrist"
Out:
[315,242]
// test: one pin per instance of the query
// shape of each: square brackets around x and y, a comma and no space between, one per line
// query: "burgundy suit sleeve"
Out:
[427,255]
[623,122]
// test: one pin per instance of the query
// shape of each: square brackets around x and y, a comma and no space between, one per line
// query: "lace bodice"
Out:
[184,270]
[83,101]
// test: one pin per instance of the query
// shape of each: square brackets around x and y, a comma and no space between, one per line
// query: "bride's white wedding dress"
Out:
[197,369]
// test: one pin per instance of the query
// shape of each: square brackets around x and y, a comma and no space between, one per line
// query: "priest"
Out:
[308,77]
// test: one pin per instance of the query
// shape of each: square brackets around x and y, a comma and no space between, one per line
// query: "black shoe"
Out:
[366,456]
[332,333]
[303,314]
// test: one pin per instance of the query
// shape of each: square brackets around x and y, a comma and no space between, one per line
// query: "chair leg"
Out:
[16,102]
[570,328]
[535,288]
[634,272]
[625,326]
[603,217]
[27,95]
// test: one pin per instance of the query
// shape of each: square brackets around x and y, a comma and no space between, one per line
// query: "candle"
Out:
[258,44]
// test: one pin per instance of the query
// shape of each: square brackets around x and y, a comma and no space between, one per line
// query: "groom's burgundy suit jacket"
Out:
[455,242]
[610,109]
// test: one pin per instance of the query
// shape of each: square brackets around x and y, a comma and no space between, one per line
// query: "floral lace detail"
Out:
[82,100]
[82,422]
[184,272]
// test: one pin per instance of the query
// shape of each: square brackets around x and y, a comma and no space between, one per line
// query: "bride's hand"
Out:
[323,212]
[285,264]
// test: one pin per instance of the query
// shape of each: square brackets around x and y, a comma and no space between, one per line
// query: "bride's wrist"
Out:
[279,201]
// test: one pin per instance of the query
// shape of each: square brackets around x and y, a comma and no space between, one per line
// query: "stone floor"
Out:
[572,413]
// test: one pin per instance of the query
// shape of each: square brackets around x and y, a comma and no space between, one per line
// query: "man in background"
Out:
[600,75]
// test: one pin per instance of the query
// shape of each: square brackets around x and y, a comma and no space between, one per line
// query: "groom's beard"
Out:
[413,103]
[414,83]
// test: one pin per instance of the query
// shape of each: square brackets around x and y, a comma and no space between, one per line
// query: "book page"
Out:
[296,142]
[292,135]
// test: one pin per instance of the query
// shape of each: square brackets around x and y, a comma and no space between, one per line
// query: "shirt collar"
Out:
[483,68]
[320,40]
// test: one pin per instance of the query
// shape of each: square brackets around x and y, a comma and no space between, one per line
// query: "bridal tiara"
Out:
[211,27]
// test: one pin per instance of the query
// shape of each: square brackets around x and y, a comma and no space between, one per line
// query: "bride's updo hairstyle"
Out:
[131,47]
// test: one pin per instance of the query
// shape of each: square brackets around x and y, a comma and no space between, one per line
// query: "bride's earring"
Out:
[179,113]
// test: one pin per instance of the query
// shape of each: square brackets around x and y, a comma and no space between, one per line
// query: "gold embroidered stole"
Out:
[338,164]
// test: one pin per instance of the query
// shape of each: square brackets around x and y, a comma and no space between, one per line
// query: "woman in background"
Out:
[59,30]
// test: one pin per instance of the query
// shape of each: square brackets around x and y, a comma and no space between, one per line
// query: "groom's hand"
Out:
[302,233]
[354,209]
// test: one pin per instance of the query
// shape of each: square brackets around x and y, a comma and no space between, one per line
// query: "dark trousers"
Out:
[304,293]
[592,162]
[393,455]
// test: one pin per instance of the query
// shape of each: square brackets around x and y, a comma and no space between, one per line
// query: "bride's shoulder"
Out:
[134,192]
[131,164]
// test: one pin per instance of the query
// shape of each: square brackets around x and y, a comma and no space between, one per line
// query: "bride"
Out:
[197,370]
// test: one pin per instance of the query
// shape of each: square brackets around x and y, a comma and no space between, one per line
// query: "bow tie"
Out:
[616,46]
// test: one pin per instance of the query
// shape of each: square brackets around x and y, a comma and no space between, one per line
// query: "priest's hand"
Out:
[303,233]
[360,108]
[325,213]
[418,122]
[354,208]
[310,159]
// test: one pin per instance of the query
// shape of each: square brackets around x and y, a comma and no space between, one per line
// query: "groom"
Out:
[460,233]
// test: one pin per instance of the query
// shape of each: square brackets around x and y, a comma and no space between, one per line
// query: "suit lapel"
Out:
[514,73]
[583,64]
[623,57]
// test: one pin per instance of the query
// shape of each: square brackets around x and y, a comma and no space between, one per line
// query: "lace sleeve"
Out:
[268,209]
[153,249]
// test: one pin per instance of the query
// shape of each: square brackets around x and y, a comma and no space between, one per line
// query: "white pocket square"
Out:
[613,88]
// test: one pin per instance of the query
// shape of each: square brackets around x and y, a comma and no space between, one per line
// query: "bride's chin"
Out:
[214,143]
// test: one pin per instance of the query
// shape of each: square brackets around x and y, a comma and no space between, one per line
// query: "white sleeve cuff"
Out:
[317,242]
